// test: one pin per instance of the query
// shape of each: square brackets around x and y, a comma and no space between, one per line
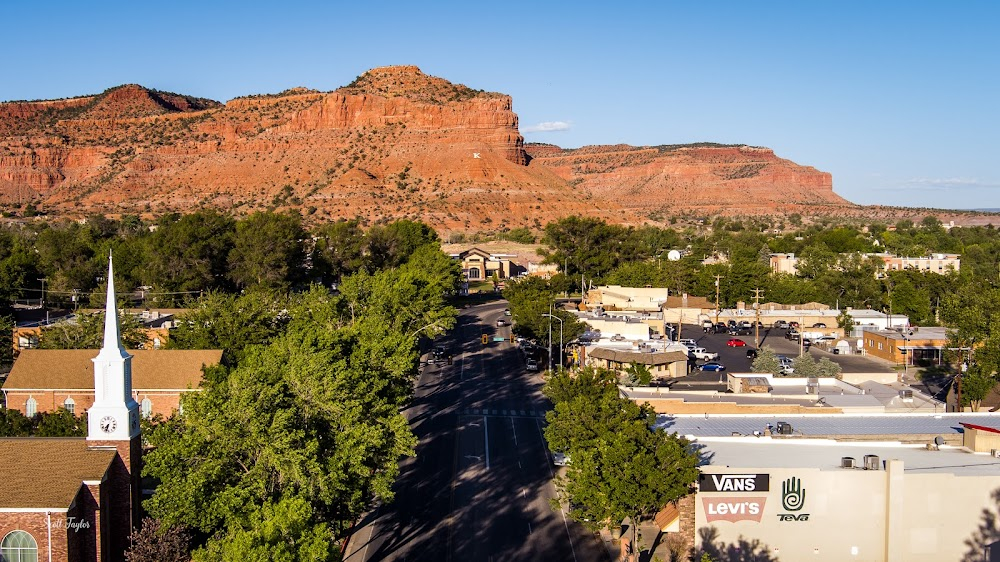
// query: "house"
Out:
[662,364]
[934,263]
[43,380]
[78,499]
[480,265]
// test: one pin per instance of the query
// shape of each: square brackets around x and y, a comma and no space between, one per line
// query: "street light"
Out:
[43,280]
[560,339]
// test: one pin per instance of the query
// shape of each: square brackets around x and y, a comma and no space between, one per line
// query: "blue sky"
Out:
[898,100]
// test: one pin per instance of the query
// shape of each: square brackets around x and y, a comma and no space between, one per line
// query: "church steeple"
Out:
[115,413]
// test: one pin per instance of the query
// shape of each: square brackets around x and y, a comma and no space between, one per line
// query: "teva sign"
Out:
[741,508]
[734,482]
[793,498]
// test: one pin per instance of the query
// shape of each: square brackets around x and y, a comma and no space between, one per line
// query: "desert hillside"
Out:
[395,143]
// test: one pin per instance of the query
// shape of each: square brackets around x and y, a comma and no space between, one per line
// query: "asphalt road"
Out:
[479,486]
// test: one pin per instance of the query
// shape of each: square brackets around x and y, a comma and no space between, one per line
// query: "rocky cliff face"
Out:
[394,143]
[702,178]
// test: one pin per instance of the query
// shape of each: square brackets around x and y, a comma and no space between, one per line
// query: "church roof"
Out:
[152,369]
[48,472]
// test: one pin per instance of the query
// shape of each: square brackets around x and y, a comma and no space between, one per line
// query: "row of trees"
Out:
[180,256]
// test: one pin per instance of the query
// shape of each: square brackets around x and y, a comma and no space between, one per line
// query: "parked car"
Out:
[617,337]
[506,312]
[531,365]
[791,335]
[688,343]
[703,354]
[819,325]
[786,370]
[712,366]
[439,351]
[751,353]
[736,342]
[561,459]
[781,324]
[721,328]
[793,324]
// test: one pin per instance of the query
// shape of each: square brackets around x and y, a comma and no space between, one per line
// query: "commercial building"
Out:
[906,346]
[884,488]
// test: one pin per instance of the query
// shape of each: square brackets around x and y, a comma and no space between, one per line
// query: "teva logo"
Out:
[793,498]
[733,482]
[734,509]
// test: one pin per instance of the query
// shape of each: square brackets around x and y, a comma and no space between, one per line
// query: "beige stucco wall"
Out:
[852,515]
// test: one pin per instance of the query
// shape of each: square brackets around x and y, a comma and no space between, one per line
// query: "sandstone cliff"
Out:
[395,143]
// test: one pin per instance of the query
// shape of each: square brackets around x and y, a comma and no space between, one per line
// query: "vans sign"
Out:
[733,482]
[733,508]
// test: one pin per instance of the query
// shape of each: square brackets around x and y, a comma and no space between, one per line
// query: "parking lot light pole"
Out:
[560,339]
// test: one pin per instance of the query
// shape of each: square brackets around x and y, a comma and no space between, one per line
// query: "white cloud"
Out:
[548,127]
[939,184]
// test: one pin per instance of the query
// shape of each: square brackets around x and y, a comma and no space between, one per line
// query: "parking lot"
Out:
[736,361]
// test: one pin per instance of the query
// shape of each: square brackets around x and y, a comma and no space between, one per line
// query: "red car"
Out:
[735,342]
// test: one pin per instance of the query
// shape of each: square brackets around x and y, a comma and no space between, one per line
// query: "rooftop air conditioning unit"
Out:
[812,388]
[784,428]
[906,395]
[847,462]
[872,462]
[995,453]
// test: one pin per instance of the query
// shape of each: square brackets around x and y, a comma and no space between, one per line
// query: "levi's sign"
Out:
[733,508]
[733,482]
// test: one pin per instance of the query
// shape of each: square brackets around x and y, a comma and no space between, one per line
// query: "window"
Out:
[18,546]
[70,405]
[880,346]
[146,407]
[31,407]
[473,273]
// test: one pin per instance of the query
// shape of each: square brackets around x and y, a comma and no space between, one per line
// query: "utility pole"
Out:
[717,278]
[756,324]
[549,352]
[42,301]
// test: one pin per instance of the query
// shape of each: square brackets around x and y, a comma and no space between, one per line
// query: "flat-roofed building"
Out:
[834,488]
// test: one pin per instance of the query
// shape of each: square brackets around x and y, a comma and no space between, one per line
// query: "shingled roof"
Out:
[641,357]
[152,369]
[48,472]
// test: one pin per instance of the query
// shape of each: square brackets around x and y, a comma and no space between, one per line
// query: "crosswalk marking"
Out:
[501,412]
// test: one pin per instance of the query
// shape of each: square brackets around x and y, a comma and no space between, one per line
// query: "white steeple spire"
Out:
[112,329]
[115,413]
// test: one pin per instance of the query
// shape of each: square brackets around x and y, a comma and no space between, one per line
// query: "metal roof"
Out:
[723,425]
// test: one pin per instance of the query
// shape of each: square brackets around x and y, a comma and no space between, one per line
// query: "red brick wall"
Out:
[120,496]
[37,525]
[164,402]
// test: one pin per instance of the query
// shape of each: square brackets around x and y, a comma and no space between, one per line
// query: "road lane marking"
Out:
[514,431]
[552,475]
[486,432]
[529,528]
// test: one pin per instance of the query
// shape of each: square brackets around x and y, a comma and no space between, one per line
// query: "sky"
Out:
[897,100]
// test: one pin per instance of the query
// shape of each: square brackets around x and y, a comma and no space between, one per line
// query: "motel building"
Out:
[919,498]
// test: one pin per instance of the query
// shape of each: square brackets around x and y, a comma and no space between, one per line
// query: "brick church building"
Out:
[75,499]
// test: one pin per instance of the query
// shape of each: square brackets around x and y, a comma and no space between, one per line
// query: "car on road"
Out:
[703,354]
[561,459]
[712,366]
[501,322]
[751,353]
[531,365]
[439,351]
[506,312]
[736,342]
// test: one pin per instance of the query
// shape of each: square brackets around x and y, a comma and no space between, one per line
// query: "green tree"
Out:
[280,457]
[339,249]
[766,361]
[60,423]
[189,253]
[268,252]
[230,323]
[638,374]
[14,424]
[622,465]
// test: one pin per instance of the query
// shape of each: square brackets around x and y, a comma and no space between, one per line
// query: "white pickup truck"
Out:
[703,354]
